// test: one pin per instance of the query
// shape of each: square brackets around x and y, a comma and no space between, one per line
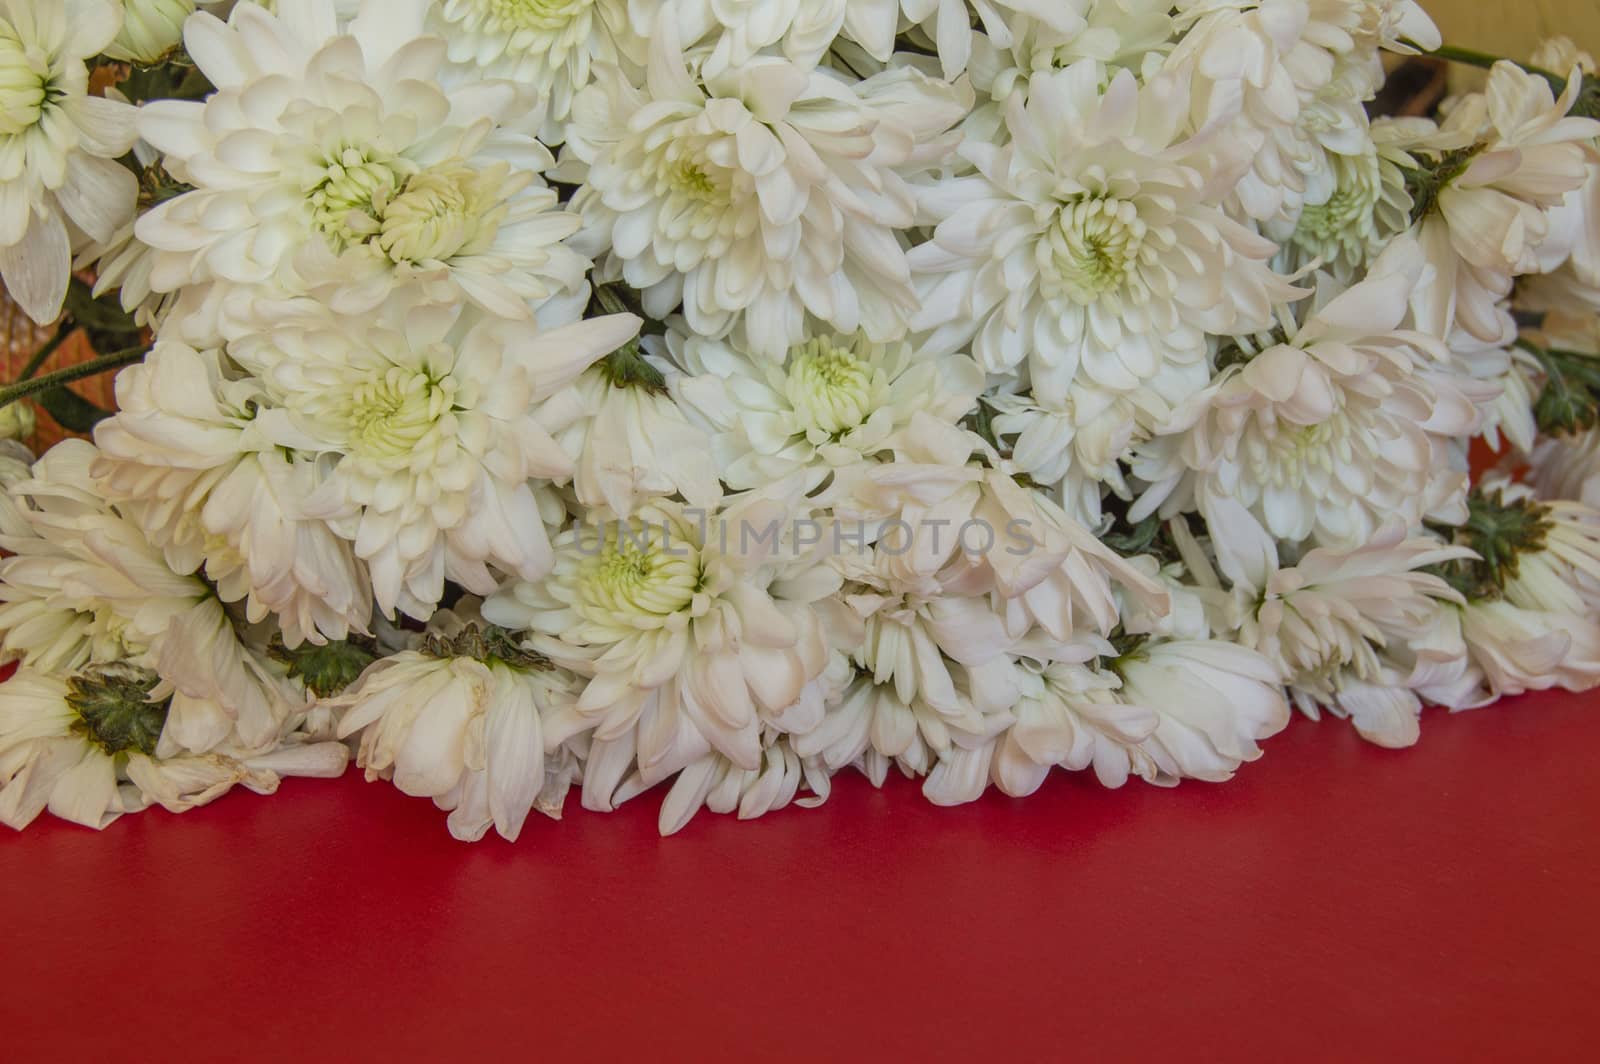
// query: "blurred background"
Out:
[1512,27]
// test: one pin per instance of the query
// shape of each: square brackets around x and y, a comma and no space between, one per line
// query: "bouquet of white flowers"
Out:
[527,394]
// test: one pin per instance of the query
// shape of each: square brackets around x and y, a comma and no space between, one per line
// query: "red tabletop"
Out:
[1335,901]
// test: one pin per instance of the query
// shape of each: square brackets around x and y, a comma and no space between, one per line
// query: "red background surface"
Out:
[1335,901]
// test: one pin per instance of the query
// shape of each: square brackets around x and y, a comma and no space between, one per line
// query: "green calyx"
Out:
[114,708]
[1500,532]
[1129,648]
[489,644]
[327,670]
[1569,402]
[626,367]
[1425,181]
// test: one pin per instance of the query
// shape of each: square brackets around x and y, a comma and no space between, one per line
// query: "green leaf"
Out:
[72,411]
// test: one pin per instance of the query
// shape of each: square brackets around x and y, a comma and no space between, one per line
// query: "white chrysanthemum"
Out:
[1521,649]
[673,616]
[715,783]
[732,32]
[950,26]
[1116,33]
[1568,467]
[185,458]
[948,519]
[631,441]
[832,401]
[872,727]
[1077,446]
[58,146]
[1215,701]
[425,431]
[1563,575]
[550,46]
[364,171]
[1286,79]
[1327,436]
[1091,246]
[1500,162]
[84,586]
[1163,711]
[1359,208]
[759,195]
[461,722]
[1512,374]
[1338,623]
[86,748]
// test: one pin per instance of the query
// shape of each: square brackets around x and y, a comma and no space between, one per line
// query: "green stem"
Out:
[51,346]
[1483,60]
[105,363]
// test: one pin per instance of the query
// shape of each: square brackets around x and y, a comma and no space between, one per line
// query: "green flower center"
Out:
[831,389]
[114,709]
[1093,247]
[389,414]
[348,203]
[532,14]
[643,572]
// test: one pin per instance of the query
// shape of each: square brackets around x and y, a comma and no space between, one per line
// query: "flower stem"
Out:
[50,347]
[1483,60]
[105,363]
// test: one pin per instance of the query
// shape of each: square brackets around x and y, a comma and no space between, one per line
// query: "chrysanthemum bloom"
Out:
[732,32]
[58,146]
[549,46]
[84,586]
[424,426]
[832,401]
[1117,33]
[1091,246]
[673,616]
[1568,467]
[1332,621]
[1500,161]
[1521,649]
[715,783]
[631,442]
[86,748]
[461,722]
[1329,435]
[1353,209]
[949,24]
[340,163]
[759,195]
[1288,79]
[185,457]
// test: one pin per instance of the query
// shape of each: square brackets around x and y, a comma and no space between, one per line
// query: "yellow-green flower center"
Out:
[830,388]
[1093,246]
[545,15]
[390,413]
[349,202]
[409,215]
[643,572]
